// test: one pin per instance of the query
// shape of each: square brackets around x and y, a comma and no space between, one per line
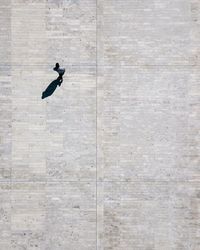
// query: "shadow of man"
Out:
[52,87]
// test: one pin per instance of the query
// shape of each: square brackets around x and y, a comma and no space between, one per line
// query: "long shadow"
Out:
[51,88]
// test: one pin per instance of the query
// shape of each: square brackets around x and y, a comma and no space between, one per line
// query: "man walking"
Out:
[61,72]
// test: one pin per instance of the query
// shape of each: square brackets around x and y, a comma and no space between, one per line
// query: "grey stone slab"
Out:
[28,215]
[5,216]
[29,43]
[54,138]
[39,215]
[148,215]
[5,122]
[5,32]
[148,33]
[28,122]
[5,90]
[72,123]
[71,31]
[147,123]
[44,146]
[71,216]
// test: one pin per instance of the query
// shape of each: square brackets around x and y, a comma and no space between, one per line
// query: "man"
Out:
[61,72]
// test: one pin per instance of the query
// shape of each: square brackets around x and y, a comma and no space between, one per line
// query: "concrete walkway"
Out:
[110,161]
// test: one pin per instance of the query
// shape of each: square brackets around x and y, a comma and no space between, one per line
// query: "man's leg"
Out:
[61,78]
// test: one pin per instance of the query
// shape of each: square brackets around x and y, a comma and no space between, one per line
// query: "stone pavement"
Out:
[110,161]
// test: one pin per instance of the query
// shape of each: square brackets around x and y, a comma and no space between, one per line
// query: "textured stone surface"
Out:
[146,123]
[71,31]
[148,32]
[149,215]
[54,140]
[5,90]
[111,160]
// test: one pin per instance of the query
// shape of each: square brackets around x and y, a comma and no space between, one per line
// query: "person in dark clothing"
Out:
[57,82]
[61,72]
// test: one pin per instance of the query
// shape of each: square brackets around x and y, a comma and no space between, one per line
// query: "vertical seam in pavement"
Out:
[96,128]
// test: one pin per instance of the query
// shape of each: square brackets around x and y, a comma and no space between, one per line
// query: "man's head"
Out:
[56,67]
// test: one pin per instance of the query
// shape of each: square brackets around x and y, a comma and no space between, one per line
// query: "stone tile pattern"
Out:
[111,160]
[5,92]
